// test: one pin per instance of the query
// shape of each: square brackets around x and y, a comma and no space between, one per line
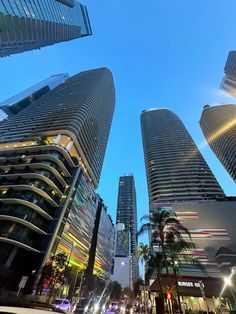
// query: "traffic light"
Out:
[168,295]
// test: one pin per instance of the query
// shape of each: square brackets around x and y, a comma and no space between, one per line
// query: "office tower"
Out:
[127,214]
[228,83]
[46,152]
[20,101]
[126,208]
[176,170]
[218,124]
[30,24]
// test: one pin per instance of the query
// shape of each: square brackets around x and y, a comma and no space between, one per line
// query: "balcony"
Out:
[25,213]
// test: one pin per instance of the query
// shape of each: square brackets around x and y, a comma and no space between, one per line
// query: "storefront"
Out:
[196,293]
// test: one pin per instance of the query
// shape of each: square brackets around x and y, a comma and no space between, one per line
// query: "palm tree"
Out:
[142,252]
[158,224]
[178,251]
[153,261]
[154,265]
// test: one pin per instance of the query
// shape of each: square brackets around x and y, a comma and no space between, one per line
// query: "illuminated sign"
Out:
[190,284]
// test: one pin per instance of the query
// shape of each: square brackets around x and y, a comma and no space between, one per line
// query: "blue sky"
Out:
[163,53]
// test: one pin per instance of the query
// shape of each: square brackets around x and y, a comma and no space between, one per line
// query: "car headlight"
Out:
[96,307]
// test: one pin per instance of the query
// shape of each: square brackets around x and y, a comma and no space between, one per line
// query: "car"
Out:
[27,307]
[86,305]
[63,304]
[129,309]
[113,308]
[22,310]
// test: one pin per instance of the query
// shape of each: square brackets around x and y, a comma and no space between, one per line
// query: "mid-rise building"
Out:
[20,101]
[51,156]
[218,124]
[30,24]
[122,269]
[176,170]
[228,83]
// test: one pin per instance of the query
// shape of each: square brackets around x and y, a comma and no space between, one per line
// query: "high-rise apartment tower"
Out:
[176,170]
[32,24]
[218,124]
[46,150]
[228,83]
[20,101]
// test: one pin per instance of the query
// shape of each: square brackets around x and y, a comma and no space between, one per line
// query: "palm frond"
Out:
[144,228]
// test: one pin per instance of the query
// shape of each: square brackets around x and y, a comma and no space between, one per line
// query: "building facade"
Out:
[104,256]
[176,170]
[45,151]
[122,271]
[34,24]
[17,103]
[218,124]
[228,83]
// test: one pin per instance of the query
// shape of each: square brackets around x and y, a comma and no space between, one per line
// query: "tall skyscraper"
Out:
[228,83]
[218,124]
[32,24]
[127,209]
[127,214]
[20,101]
[51,155]
[176,170]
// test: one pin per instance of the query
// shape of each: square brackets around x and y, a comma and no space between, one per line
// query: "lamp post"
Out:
[201,286]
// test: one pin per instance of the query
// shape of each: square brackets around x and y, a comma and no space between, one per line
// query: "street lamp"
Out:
[228,282]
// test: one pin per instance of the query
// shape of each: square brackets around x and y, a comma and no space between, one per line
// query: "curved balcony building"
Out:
[44,151]
[218,124]
[176,170]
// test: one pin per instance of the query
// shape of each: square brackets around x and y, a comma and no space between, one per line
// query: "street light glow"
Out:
[228,281]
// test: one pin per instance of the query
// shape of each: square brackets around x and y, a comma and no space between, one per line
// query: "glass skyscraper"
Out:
[127,209]
[176,170]
[218,124]
[32,24]
[127,214]
[47,151]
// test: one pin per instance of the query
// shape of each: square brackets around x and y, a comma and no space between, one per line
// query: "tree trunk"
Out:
[177,290]
[165,258]
[159,281]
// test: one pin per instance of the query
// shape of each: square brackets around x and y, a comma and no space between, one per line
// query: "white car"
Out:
[33,307]
[22,310]
[63,304]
